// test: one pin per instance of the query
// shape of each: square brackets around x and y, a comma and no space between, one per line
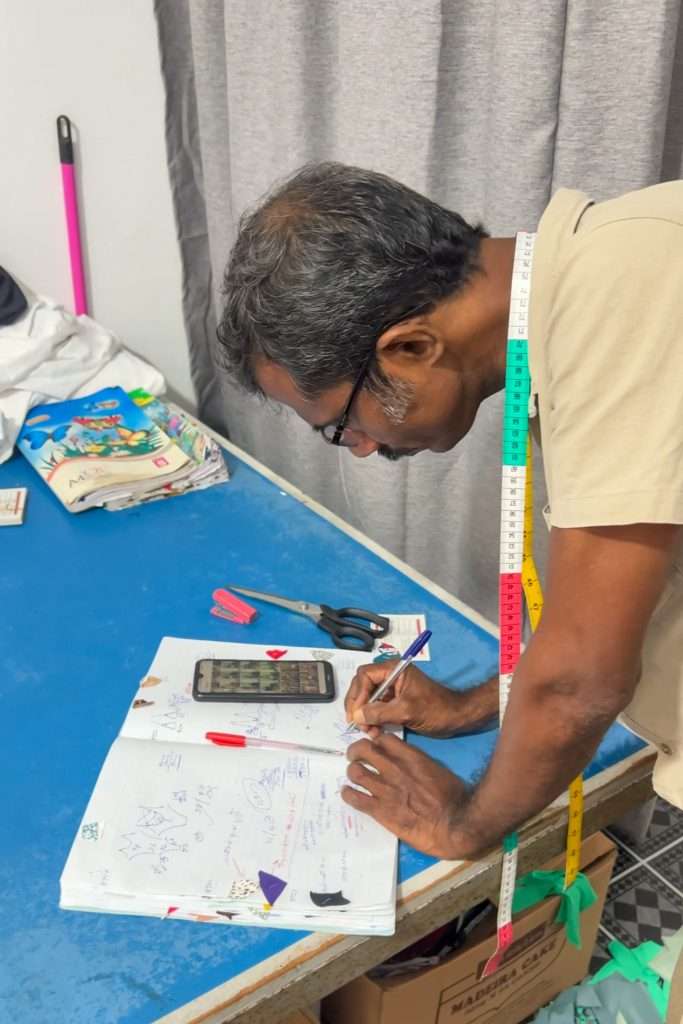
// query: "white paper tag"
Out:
[404,629]
[12,502]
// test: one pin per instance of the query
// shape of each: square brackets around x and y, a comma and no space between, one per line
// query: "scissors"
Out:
[345,625]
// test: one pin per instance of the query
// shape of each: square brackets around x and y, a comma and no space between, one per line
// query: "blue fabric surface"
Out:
[84,601]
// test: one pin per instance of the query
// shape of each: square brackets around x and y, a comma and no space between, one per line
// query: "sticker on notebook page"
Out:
[329,899]
[272,887]
[92,831]
[404,629]
[385,653]
[150,681]
[242,889]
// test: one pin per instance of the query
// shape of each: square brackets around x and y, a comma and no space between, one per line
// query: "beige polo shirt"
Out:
[606,362]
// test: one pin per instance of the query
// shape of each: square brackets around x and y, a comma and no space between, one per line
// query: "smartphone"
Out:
[281,682]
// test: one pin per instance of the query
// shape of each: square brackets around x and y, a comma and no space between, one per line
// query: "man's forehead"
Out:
[277,385]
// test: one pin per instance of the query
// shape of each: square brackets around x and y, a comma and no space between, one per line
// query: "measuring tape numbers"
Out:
[518,575]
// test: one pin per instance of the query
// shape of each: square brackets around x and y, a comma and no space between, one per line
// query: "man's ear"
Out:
[409,346]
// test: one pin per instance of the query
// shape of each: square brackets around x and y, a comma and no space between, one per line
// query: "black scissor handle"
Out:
[346,635]
[341,623]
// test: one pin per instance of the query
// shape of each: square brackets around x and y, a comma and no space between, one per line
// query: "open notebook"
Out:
[177,827]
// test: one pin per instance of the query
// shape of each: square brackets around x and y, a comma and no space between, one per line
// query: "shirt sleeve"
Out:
[615,377]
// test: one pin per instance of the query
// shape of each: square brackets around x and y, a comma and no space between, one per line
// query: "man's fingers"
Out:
[359,801]
[362,776]
[361,750]
[364,684]
[380,713]
[408,760]
[394,747]
[372,752]
[361,697]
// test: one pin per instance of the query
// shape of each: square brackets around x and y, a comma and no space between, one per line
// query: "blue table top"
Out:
[85,600]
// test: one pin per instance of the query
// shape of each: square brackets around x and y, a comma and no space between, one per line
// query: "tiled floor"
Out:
[645,897]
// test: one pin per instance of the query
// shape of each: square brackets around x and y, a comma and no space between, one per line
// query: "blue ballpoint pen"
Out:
[405,660]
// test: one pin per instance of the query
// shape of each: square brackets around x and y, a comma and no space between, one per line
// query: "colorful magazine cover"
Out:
[96,443]
[193,441]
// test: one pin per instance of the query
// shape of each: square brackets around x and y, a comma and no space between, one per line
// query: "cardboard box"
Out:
[539,964]
[303,1017]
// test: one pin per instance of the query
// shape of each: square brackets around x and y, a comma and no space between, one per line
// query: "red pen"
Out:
[231,739]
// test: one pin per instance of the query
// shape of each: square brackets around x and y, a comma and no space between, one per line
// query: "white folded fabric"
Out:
[49,354]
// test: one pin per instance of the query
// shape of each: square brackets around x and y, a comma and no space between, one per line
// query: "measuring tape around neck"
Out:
[517,569]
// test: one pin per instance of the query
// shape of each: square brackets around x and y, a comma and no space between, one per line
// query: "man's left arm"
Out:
[578,672]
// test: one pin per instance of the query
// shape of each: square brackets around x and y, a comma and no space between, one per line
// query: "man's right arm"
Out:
[421,704]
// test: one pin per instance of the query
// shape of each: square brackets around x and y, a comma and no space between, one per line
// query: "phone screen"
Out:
[238,680]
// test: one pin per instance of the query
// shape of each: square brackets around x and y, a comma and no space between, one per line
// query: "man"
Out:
[381,319]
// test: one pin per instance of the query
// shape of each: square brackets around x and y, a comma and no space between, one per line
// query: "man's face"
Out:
[440,412]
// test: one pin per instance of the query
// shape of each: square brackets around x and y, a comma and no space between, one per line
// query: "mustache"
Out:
[394,454]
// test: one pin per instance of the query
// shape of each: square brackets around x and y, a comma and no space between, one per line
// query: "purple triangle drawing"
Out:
[272,887]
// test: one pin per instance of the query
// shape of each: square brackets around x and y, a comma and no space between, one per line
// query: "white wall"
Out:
[97,62]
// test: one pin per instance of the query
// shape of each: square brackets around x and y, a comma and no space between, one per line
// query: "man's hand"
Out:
[418,703]
[411,795]
[577,673]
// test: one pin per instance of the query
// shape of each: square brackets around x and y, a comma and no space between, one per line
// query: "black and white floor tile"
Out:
[645,897]
[600,951]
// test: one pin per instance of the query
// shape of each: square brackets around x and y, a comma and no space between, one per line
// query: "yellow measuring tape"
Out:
[533,596]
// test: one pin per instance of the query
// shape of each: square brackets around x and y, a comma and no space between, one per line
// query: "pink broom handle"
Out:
[66,158]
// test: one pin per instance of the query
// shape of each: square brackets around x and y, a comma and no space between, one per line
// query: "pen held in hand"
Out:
[403,663]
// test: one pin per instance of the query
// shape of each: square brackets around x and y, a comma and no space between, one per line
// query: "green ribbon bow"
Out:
[632,964]
[538,885]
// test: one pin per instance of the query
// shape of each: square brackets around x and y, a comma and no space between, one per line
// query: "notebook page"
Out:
[163,707]
[242,831]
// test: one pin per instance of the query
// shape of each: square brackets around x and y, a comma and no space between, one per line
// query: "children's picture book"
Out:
[208,464]
[182,829]
[104,449]
[175,424]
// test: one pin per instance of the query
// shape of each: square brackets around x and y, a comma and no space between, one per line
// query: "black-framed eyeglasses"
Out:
[333,433]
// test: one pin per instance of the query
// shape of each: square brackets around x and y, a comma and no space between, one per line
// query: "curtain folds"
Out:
[488,107]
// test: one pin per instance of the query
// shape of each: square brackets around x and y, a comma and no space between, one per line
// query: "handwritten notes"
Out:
[178,827]
[169,713]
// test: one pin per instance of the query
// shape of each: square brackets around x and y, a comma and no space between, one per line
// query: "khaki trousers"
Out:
[675,1012]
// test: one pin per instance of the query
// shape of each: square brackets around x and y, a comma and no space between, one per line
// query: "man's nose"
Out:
[365,446]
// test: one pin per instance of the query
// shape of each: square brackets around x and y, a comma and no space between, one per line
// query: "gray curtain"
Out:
[486,106]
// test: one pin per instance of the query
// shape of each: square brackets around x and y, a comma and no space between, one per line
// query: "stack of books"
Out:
[117,450]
